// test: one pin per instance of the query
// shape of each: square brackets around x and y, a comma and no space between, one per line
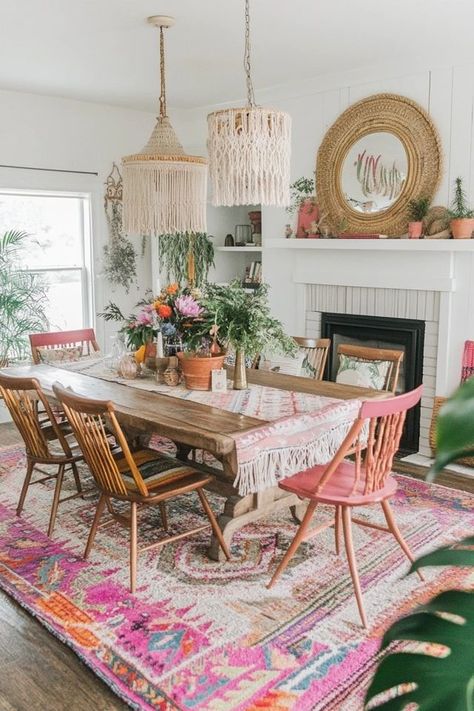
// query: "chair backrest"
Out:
[316,351]
[84,337]
[364,353]
[373,440]
[88,420]
[23,396]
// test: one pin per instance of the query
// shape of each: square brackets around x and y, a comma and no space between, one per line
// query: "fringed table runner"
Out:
[302,430]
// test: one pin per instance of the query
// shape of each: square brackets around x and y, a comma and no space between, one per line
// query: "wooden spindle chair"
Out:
[141,478]
[84,337]
[316,352]
[46,441]
[367,354]
[372,441]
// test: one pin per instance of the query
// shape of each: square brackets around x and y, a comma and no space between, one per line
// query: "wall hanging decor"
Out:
[187,258]
[249,149]
[120,265]
[164,189]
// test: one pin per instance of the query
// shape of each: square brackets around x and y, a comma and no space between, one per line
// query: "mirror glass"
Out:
[374,172]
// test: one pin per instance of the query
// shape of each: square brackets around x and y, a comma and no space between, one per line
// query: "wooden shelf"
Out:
[387,245]
[239,249]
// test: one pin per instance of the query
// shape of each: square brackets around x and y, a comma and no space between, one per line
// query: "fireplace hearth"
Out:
[382,332]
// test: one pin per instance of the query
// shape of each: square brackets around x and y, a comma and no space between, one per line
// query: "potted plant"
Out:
[417,211]
[22,301]
[420,673]
[242,320]
[462,217]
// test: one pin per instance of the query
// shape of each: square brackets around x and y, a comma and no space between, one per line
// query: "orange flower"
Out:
[164,311]
[157,304]
[172,288]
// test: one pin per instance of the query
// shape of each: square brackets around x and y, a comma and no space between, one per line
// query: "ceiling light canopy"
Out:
[164,189]
[249,149]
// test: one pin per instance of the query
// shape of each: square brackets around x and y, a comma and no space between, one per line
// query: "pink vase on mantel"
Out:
[307,214]
[415,230]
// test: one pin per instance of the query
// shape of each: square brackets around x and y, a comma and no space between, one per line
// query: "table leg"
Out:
[241,510]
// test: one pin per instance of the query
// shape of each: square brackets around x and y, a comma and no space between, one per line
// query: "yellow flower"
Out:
[172,288]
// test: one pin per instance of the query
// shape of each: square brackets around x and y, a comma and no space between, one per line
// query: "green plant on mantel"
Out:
[440,678]
[459,207]
[300,190]
[22,300]
[243,319]
[187,257]
[418,209]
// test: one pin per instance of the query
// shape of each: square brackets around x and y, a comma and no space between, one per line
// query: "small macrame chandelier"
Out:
[249,149]
[164,190]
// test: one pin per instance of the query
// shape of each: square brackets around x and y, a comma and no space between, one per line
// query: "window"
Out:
[58,250]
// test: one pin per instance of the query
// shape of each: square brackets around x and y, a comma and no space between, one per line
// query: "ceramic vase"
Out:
[462,228]
[415,229]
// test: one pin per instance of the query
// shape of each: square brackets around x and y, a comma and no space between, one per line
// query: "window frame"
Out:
[86,269]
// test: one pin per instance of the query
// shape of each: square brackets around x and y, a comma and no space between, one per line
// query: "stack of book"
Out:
[253,274]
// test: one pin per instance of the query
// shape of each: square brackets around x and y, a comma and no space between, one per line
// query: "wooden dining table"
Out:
[196,426]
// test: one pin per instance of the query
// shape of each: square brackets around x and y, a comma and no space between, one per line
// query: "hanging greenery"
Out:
[120,258]
[187,257]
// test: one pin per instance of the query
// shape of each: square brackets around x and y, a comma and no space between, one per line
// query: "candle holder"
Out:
[161,365]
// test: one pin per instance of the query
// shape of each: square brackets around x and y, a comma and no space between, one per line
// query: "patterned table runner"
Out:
[302,430]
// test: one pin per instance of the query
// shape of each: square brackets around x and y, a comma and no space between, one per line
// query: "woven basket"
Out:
[438,401]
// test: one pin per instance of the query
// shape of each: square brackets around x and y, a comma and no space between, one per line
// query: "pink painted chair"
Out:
[346,484]
[83,338]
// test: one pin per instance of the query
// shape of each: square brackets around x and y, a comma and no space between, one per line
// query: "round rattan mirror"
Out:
[381,153]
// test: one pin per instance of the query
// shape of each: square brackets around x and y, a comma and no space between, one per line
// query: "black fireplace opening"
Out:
[403,334]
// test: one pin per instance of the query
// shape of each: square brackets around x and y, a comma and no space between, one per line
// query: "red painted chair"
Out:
[346,484]
[84,337]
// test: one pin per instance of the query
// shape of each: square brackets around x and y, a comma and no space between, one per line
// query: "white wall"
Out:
[46,132]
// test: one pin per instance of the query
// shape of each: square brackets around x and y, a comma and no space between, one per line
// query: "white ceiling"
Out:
[102,50]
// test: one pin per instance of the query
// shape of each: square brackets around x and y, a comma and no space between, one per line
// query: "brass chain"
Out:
[247,67]
[162,75]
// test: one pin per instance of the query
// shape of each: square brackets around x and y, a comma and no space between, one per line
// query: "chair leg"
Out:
[391,523]
[215,526]
[57,493]
[24,488]
[295,543]
[98,513]
[347,526]
[76,477]
[337,528]
[164,515]
[133,546]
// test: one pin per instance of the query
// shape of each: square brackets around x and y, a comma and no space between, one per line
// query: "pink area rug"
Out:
[201,635]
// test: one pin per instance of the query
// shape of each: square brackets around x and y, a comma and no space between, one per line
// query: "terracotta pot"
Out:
[462,228]
[415,230]
[197,371]
[308,212]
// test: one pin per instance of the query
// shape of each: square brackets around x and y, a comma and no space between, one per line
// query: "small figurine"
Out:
[288,231]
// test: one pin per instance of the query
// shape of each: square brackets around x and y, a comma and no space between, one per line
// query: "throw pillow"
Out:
[287,365]
[364,373]
[67,354]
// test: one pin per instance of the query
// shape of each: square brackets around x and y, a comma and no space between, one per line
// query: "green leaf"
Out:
[461,554]
[442,682]
[455,428]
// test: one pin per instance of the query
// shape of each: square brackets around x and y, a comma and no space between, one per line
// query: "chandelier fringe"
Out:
[249,156]
[164,197]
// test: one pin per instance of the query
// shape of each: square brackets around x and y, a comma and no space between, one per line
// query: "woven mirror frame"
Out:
[381,113]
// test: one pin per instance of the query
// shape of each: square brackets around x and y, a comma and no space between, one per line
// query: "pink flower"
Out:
[144,318]
[187,306]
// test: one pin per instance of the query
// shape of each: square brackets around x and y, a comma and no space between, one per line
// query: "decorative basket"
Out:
[438,402]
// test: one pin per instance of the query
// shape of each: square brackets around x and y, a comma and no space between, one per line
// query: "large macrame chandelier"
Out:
[164,190]
[249,149]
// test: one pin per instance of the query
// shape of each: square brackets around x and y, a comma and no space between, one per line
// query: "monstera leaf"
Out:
[455,428]
[445,681]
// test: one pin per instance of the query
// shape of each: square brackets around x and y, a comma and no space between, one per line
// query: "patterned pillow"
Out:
[68,354]
[287,365]
[364,373]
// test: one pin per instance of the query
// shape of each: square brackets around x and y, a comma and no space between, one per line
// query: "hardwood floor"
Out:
[39,673]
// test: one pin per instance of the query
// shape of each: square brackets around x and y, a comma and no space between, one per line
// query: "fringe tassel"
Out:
[273,465]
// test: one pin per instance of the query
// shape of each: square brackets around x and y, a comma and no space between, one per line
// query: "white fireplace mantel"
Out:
[371,245]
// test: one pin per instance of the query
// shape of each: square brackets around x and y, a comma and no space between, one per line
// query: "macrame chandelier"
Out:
[164,190]
[249,149]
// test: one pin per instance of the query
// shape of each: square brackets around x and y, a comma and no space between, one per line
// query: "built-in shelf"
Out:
[239,249]
[387,245]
